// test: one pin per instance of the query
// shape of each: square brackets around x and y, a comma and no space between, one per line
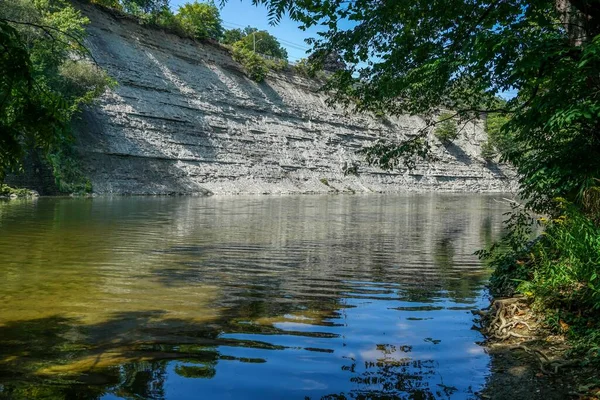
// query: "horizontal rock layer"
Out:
[185,119]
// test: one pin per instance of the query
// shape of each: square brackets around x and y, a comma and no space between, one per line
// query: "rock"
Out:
[185,119]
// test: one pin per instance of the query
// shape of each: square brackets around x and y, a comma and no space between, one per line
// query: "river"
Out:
[295,297]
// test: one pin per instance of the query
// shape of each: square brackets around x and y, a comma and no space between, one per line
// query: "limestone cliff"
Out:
[185,119]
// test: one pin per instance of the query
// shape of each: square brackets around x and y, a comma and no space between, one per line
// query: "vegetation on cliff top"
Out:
[258,51]
[47,75]
[420,57]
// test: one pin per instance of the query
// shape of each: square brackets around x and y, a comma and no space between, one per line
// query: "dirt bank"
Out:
[528,360]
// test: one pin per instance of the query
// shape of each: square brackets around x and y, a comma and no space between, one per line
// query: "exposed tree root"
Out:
[545,362]
[500,320]
[504,316]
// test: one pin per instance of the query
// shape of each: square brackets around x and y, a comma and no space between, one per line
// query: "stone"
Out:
[184,119]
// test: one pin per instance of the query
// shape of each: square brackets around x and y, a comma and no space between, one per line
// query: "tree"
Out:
[202,20]
[446,130]
[230,36]
[423,56]
[261,42]
[45,77]
[331,62]
[149,7]
[419,56]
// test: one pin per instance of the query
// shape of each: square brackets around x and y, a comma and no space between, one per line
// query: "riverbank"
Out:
[528,360]
[7,192]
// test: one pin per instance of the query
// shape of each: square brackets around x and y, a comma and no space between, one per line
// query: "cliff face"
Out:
[185,119]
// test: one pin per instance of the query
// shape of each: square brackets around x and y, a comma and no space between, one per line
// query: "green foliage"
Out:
[500,139]
[560,270]
[255,66]
[252,39]
[145,8]
[83,81]
[566,272]
[67,171]
[201,20]
[230,36]
[277,64]
[116,4]
[488,152]
[446,130]
[7,191]
[389,155]
[305,68]
[264,43]
[510,257]
[45,77]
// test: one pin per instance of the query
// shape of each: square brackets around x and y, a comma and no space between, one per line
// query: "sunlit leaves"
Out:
[43,77]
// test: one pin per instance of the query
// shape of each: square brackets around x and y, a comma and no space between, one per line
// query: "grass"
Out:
[559,271]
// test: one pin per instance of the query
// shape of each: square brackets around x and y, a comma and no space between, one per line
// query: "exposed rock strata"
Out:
[185,119]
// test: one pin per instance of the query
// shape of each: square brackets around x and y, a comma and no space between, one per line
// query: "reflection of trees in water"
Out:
[142,380]
[283,268]
[29,348]
[390,377]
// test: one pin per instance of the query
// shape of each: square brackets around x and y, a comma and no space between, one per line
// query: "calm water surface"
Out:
[338,297]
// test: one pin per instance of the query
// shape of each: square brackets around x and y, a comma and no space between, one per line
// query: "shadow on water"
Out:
[53,358]
[299,297]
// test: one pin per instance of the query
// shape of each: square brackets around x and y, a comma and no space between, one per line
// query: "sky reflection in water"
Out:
[244,297]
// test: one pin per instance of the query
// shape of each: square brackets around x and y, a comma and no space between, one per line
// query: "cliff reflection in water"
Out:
[243,297]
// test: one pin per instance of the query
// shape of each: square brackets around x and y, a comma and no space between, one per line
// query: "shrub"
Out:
[305,68]
[109,3]
[84,80]
[446,130]
[488,152]
[566,272]
[67,172]
[254,65]
[498,136]
[201,20]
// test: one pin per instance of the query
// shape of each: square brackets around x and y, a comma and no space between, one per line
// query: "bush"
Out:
[67,172]
[7,191]
[305,68]
[499,137]
[277,65]
[201,20]
[566,272]
[254,65]
[559,270]
[488,152]
[84,80]
[446,130]
[115,4]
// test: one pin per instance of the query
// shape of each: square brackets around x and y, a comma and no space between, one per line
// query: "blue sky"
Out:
[239,14]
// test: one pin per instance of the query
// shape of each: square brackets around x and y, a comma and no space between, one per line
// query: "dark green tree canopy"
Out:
[45,76]
[422,56]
